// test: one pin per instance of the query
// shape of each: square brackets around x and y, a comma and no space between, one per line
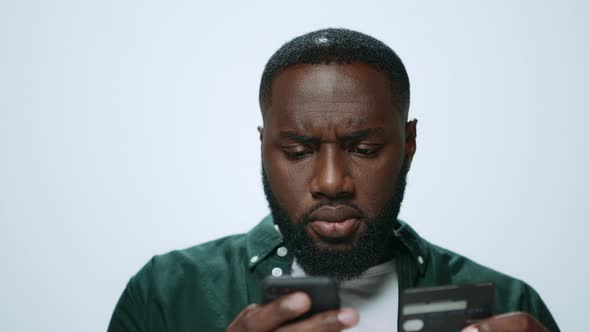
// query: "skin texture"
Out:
[512,322]
[326,104]
[310,158]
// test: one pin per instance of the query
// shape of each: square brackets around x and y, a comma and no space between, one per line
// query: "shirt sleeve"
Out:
[538,309]
[129,313]
[134,311]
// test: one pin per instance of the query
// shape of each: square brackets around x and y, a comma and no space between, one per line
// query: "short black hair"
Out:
[339,46]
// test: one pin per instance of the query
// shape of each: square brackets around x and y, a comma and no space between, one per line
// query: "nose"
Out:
[331,175]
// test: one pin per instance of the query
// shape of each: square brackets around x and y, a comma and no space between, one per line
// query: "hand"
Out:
[511,322]
[275,316]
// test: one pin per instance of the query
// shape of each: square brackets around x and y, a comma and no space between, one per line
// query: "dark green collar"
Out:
[413,243]
[265,238]
[261,241]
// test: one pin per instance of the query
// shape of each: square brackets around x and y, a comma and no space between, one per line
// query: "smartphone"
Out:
[323,291]
[445,308]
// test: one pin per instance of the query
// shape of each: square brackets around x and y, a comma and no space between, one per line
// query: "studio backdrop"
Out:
[128,129]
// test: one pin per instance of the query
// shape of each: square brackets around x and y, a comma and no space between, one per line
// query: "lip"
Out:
[335,222]
[337,213]
[335,230]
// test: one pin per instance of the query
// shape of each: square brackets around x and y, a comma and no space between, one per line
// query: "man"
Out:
[336,148]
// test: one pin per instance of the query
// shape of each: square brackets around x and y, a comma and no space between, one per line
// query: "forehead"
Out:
[350,95]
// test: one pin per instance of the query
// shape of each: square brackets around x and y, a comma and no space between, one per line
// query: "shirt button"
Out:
[277,272]
[420,260]
[282,252]
[254,259]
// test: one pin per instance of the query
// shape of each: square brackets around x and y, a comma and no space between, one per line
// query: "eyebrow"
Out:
[355,135]
[297,137]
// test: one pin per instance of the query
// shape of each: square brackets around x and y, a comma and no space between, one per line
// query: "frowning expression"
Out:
[333,144]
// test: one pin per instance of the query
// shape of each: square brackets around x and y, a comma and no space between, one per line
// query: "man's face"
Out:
[335,150]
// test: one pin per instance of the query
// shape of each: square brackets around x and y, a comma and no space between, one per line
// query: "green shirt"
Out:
[204,287]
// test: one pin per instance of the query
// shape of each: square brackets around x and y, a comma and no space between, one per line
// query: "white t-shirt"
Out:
[374,295]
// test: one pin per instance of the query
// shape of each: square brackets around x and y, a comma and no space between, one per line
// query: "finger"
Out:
[511,322]
[236,324]
[246,311]
[274,314]
[335,320]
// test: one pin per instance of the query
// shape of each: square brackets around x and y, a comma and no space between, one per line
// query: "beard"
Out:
[367,250]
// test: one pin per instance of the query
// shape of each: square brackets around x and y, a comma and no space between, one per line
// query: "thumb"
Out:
[470,328]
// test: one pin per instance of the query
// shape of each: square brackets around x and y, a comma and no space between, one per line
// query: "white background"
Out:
[128,129]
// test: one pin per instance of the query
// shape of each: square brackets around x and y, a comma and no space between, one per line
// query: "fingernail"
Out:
[296,302]
[348,317]
[470,329]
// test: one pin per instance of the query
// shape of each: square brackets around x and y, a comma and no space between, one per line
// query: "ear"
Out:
[260,129]
[410,140]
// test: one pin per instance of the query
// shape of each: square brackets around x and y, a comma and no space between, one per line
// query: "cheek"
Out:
[375,184]
[289,182]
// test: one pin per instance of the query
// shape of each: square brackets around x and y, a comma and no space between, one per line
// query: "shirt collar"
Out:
[264,238]
[261,241]
[413,243]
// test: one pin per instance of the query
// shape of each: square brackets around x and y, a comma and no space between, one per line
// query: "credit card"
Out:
[445,308]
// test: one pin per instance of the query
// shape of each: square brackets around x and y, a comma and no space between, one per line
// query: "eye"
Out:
[365,150]
[296,152]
